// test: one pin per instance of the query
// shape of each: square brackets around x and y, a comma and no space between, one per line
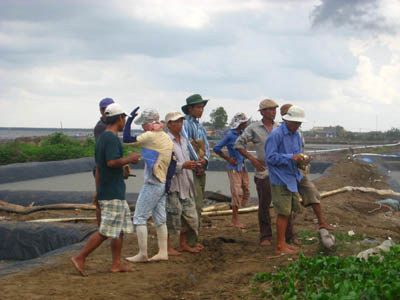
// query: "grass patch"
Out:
[333,278]
[56,146]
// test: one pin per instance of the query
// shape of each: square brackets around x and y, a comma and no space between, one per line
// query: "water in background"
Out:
[13,132]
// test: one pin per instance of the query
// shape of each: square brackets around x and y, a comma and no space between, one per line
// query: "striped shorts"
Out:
[115,218]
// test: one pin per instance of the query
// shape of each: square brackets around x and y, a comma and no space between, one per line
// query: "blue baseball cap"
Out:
[105,102]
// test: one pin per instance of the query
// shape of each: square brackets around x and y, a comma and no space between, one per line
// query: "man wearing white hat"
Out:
[308,191]
[237,171]
[283,153]
[157,149]
[181,207]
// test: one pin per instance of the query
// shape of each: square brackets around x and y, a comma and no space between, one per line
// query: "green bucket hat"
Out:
[192,100]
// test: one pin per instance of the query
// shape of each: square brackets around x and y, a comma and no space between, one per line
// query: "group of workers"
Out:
[176,153]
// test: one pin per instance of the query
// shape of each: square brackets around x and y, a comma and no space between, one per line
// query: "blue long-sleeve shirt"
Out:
[192,129]
[280,146]
[229,140]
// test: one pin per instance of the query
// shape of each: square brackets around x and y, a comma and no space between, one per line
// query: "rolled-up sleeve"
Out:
[222,143]
[243,139]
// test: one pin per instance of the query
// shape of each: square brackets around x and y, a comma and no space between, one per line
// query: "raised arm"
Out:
[127,137]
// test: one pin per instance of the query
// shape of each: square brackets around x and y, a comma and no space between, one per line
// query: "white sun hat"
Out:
[148,115]
[295,114]
[114,109]
[238,119]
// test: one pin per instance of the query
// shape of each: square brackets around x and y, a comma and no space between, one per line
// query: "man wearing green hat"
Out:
[199,150]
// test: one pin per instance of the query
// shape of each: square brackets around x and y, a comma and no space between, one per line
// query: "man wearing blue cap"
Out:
[101,124]
[98,130]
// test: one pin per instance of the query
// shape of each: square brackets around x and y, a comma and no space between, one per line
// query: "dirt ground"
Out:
[222,270]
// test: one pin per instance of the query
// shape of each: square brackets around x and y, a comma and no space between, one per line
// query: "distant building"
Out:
[323,132]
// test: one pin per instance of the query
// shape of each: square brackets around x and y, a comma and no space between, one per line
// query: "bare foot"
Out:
[79,266]
[138,258]
[238,225]
[199,246]
[285,250]
[173,252]
[326,226]
[293,247]
[296,242]
[265,243]
[187,248]
[159,257]
[121,268]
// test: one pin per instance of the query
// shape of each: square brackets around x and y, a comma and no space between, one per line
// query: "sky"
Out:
[337,59]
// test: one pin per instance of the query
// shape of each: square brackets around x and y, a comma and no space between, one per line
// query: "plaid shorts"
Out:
[115,218]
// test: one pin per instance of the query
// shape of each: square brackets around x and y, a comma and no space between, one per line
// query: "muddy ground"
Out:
[223,270]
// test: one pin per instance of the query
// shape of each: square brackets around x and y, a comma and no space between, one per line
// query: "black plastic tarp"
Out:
[23,241]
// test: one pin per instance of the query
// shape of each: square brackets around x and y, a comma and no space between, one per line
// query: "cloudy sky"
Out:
[338,59]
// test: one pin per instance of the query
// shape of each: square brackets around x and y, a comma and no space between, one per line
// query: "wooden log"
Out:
[360,189]
[19,209]
[73,219]
[220,206]
[229,211]
[5,206]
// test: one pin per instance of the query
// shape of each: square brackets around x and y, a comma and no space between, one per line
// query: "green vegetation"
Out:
[56,146]
[332,277]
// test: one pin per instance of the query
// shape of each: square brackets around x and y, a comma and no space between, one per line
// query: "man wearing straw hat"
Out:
[237,171]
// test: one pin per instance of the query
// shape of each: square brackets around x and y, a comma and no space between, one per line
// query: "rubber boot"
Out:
[141,231]
[162,238]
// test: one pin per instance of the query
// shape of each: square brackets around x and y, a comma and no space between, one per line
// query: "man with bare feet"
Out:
[308,191]
[100,127]
[115,213]
[199,150]
[237,171]
[157,149]
[181,208]
[257,133]
[283,150]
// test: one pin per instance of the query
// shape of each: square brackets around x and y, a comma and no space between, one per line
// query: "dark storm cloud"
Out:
[358,14]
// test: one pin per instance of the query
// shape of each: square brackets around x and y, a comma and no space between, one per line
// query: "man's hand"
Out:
[134,112]
[260,167]
[232,161]
[203,161]
[134,158]
[95,201]
[297,157]
[190,164]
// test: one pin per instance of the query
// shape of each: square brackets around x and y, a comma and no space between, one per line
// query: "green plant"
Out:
[59,138]
[333,278]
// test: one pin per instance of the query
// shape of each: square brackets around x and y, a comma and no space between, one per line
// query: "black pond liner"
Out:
[23,241]
[27,246]
[36,170]
[26,198]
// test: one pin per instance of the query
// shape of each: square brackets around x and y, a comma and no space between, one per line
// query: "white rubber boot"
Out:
[162,238]
[141,231]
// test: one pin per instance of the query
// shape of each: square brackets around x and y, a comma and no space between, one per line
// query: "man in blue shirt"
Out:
[282,152]
[199,150]
[237,171]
